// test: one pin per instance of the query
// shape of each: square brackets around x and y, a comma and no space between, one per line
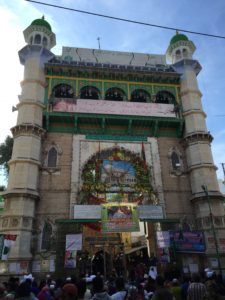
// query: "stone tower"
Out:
[22,192]
[206,198]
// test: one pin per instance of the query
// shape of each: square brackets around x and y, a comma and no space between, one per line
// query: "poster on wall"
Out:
[74,241]
[45,265]
[187,241]
[73,244]
[164,255]
[70,259]
[117,172]
[163,239]
[109,107]
[6,243]
[119,217]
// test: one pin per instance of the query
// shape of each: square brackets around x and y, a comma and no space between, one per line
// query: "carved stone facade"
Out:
[79,114]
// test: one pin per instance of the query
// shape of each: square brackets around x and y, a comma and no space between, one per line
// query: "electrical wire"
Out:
[128,20]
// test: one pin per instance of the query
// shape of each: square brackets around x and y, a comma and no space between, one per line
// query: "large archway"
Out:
[114,175]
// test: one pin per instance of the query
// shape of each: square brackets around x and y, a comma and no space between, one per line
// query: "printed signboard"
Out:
[73,243]
[116,173]
[93,212]
[119,217]
[109,107]
[87,212]
[187,242]
[150,212]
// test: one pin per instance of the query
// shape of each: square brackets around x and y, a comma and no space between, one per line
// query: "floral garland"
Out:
[91,175]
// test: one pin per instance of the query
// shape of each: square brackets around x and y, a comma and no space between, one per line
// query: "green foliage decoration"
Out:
[6,153]
[91,174]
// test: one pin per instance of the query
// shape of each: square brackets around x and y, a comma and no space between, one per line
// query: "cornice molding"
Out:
[197,136]
[24,160]
[201,165]
[27,128]
[17,192]
[194,111]
[211,194]
[180,65]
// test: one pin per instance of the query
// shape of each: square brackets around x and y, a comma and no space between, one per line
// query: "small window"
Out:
[63,91]
[175,161]
[37,39]
[52,158]
[45,41]
[178,54]
[185,53]
[165,97]
[115,94]
[140,95]
[89,92]
[46,236]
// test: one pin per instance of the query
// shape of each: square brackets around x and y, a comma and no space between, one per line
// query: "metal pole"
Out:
[205,189]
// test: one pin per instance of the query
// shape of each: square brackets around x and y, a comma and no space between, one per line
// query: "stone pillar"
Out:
[197,140]
[22,192]
[206,198]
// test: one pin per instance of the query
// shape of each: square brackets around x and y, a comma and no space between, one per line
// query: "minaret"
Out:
[197,140]
[22,192]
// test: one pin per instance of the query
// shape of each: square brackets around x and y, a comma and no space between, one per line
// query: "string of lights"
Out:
[128,20]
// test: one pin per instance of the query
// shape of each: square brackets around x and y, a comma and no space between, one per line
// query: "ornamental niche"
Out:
[116,175]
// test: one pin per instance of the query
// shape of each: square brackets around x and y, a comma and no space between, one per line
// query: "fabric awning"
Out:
[132,250]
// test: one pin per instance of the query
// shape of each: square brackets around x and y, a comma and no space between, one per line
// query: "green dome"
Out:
[42,22]
[178,37]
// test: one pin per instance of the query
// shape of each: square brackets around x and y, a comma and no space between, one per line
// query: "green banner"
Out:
[119,217]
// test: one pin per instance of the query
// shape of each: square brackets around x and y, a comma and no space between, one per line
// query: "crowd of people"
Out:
[95,287]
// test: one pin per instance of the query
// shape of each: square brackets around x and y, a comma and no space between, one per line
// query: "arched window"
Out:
[63,91]
[44,41]
[89,92]
[175,160]
[115,94]
[46,236]
[178,54]
[140,95]
[185,53]
[52,158]
[165,97]
[37,39]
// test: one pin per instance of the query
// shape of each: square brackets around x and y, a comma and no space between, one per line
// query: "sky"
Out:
[73,29]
